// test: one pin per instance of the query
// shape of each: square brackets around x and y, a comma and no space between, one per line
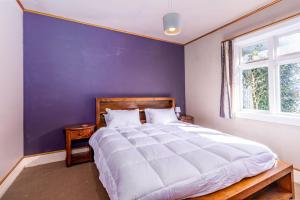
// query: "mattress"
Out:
[173,161]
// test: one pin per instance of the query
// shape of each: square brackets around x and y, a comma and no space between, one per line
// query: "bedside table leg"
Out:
[91,154]
[68,151]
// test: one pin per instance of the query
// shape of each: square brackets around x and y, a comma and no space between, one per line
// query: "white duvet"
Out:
[173,161]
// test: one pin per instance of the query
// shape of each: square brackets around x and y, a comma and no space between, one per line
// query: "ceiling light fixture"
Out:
[172,22]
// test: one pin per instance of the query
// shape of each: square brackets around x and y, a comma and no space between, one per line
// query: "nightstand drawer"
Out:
[79,134]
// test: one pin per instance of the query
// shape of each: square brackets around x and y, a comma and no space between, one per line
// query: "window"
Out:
[255,88]
[288,44]
[290,87]
[267,76]
[254,53]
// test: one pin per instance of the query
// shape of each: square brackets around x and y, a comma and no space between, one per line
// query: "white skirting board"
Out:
[34,161]
[55,157]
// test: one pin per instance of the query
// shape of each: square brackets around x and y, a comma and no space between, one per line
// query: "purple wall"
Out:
[67,65]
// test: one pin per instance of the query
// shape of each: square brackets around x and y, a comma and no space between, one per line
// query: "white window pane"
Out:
[255,89]
[254,53]
[290,87]
[288,44]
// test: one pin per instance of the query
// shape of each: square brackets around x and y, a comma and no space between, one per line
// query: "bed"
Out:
[180,160]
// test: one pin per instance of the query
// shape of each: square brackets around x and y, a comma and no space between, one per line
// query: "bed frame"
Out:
[276,183]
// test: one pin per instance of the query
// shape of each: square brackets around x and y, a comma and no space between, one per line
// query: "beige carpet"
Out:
[56,182]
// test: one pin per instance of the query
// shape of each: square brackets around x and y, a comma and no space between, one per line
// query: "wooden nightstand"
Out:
[187,118]
[78,132]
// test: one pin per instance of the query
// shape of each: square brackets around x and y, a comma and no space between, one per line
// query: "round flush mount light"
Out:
[171,23]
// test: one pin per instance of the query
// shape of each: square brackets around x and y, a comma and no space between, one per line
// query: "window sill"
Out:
[287,119]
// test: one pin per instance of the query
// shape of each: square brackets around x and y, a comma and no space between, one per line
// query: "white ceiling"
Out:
[145,16]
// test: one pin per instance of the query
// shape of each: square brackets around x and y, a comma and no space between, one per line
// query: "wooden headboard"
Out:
[130,103]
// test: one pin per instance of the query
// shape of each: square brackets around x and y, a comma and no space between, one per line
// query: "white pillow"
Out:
[122,118]
[160,116]
[147,114]
[106,118]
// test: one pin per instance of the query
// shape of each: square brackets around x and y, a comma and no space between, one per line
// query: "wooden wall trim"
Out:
[20,5]
[45,153]
[145,36]
[29,156]
[11,170]
[34,155]
[266,26]
[236,20]
[99,26]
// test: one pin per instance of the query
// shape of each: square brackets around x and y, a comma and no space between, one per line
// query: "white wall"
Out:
[11,85]
[203,80]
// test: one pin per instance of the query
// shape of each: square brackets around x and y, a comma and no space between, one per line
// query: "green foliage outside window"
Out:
[290,87]
[255,86]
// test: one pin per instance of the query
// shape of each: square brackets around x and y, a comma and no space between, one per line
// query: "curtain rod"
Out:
[264,26]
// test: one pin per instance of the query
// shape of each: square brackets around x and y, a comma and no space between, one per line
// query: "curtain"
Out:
[227,76]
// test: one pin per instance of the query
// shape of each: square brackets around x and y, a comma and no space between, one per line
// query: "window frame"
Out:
[282,35]
[273,63]
[252,44]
